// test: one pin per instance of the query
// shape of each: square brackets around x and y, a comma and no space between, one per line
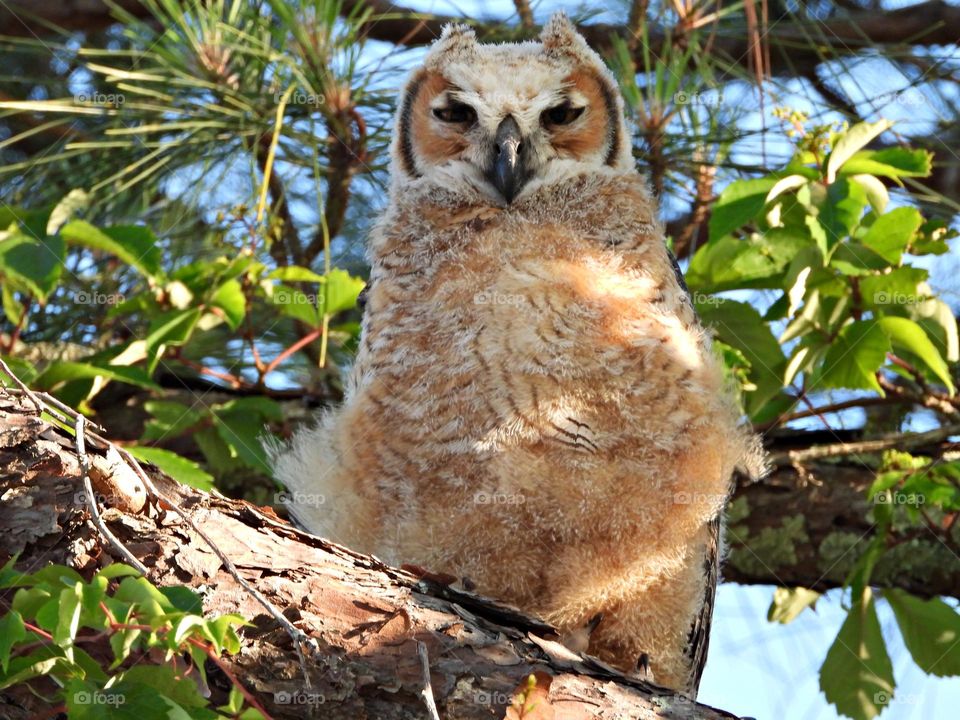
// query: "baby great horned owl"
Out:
[534,405]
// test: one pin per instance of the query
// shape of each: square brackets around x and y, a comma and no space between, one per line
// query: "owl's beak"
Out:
[508,171]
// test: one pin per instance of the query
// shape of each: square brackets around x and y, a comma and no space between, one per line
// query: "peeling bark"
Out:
[367,618]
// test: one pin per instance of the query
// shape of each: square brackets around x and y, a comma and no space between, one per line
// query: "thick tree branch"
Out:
[370,621]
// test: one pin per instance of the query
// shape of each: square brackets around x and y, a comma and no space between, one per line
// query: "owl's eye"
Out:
[456,113]
[561,114]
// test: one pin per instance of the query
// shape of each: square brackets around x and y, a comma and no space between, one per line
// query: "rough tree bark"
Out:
[368,619]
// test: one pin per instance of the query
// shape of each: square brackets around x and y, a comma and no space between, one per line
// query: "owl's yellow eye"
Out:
[561,114]
[456,113]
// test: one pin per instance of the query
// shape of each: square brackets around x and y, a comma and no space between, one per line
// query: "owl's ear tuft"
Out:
[455,39]
[560,36]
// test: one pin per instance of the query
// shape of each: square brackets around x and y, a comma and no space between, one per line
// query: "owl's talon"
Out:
[642,670]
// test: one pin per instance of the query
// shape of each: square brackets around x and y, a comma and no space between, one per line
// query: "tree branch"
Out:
[369,620]
[930,23]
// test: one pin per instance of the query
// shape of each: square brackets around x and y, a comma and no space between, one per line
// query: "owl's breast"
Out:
[533,331]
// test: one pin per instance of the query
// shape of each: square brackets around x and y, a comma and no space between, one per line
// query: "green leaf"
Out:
[340,291]
[731,263]
[255,404]
[170,419]
[876,191]
[788,603]
[179,468]
[117,570]
[128,701]
[241,432]
[891,233]
[141,591]
[164,680]
[132,244]
[739,203]
[21,368]
[858,351]
[854,259]
[183,598]
[856,676]
[854,139]
[931,631]
[38,664]
[909,336]
[229,298]
[62,371]
[11,632]
[937,319]
[294,273]
[893,163]
[68,620]
[740,326]
[841,209]
[294,303]
[900,286]
[34,264]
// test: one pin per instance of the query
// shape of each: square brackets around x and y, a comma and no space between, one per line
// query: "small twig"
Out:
[895,440]
[248,696]
[524,13]
[92,499]
[300,639]
[427,691]
[305,340]
[23,388]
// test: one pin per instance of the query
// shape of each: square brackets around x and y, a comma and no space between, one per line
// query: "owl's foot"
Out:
[642,670]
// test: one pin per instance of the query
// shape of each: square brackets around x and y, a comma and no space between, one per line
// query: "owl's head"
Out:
[505,118]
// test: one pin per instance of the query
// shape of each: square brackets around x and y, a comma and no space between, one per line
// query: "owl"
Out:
[534,405]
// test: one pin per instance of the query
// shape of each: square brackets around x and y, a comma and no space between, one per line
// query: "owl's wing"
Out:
[698,641]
